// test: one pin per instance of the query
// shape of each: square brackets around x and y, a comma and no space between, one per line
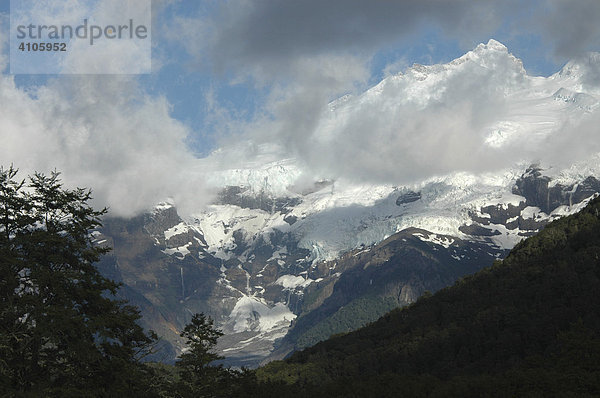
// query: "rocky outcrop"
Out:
[585,189]
[408,197]
[238,196]
[539,192]
[365,283]
[498,214]
[170,272]
[478,230]
[541,196]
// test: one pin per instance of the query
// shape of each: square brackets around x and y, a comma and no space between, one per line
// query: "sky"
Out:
[230,76]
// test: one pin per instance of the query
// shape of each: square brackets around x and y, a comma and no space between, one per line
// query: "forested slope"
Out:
[527,326]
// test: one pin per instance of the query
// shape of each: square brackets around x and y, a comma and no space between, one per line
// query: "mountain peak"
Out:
[578,67]
[494,45]
[492,55]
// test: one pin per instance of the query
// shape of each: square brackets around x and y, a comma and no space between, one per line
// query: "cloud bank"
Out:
[110,134]
[270,36]
[312,52]
[101,132]
[479,113]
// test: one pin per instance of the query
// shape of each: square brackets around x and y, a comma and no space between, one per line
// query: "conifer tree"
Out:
[199,376]
[62,332]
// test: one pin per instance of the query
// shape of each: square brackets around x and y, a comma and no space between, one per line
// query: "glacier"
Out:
[281,201]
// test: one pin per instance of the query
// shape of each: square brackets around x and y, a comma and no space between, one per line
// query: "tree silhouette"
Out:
[62,332]
[198,376]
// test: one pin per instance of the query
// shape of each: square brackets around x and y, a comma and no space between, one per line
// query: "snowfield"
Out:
[330,216]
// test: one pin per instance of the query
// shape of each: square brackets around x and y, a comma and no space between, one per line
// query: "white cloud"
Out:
[308,53]
[104,132]
[101,132]
[398,131]
[430,121]
[107,133]
[101,36]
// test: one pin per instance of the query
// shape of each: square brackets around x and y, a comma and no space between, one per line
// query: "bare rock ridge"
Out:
[281,261]
[271,296]
[538,192]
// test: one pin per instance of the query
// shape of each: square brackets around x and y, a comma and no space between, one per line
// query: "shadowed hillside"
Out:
[527,326]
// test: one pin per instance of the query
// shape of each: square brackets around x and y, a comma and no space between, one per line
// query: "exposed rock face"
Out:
[165,271]
[250,266]
[408,197]
[478,230]
[169,274]
[370,281]
[290,219]
[585,189]
[540,198]
[408,294]
[534,187]
[538,192]
[239,196]
[509,216]
[499,214]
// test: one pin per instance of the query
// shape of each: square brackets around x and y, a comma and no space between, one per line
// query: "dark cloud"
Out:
[569,27]
[110,134]
[309,51]
[277,32]
[264,39]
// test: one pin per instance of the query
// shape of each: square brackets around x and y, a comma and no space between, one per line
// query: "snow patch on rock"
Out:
[253,313]
[293,282]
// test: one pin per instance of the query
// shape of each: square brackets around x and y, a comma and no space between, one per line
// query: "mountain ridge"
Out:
[527,326]
[268,250]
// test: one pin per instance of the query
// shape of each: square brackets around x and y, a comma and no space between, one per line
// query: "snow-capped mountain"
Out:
[281,260]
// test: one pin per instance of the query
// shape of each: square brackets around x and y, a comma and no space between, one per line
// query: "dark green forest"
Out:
[527,326]
[63,333]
